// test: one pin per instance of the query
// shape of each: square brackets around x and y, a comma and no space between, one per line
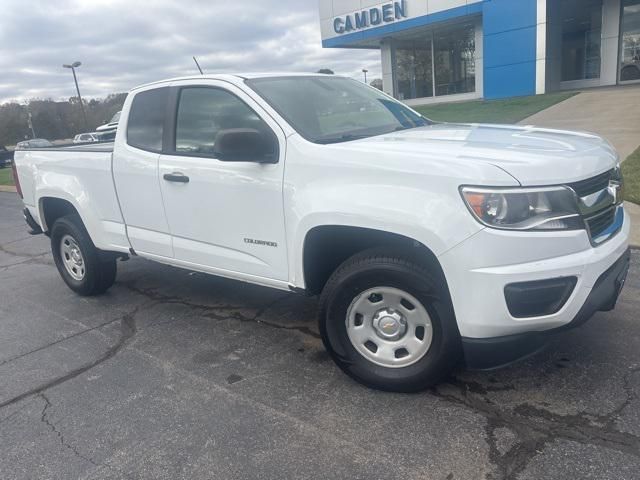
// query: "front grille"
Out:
[599,213]
[591,185]
[600,222]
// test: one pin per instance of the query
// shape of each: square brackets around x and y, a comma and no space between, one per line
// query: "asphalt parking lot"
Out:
[174,374]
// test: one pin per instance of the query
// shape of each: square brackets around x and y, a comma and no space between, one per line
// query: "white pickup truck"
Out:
[429,243]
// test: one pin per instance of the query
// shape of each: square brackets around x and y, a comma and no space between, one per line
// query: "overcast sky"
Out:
[123,43]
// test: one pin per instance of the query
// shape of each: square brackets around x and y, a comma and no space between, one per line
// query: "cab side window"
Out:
[146,119]
[203,112]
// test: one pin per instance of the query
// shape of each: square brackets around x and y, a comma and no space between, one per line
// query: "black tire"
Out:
[386,268]
[630,73]
[99,267]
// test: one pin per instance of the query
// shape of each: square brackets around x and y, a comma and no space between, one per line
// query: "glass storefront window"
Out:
[449,52]
[414,69]
[630,44]
[454,55]
[581,39]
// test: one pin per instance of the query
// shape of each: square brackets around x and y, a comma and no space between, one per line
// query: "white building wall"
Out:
[541,46]
[479,58]
[388,60]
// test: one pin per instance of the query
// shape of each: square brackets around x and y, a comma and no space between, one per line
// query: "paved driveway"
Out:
[613,112]
[179,375]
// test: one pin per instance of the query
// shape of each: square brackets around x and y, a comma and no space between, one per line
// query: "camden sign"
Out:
[387,13]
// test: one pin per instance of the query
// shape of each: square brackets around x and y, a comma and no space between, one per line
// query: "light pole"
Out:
[29,120]
[364,70]
[30,123]
[73,67]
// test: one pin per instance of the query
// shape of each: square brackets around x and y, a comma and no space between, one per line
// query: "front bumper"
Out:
[479,269]
[488,353]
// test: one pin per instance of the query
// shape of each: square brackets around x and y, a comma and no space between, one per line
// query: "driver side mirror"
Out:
[245,145]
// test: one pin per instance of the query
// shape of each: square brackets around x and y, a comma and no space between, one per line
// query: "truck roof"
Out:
[233,77]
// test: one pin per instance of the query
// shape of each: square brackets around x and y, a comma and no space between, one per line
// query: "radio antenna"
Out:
[198,65]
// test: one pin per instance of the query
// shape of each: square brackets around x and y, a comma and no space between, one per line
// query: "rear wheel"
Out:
[387,321]
[630,73]
[85,269]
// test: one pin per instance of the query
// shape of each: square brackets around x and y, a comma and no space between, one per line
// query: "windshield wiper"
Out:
[342,138]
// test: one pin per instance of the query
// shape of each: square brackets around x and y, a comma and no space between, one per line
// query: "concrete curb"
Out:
[8,188]
[633,211]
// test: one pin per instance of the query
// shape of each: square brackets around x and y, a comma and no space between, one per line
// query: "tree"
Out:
[55,120]
[376,83]
[13,123]
[326,71]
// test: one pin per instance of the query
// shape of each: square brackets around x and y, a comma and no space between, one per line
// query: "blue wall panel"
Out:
[513,46]
[509,28]
[510,80]
[504,15]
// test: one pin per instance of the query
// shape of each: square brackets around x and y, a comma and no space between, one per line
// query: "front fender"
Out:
[432,218]
[390,186]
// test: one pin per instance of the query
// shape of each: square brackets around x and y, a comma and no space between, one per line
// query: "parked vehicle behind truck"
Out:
[33,143]
[86,138]
[111,125]
[6,156]
[429,244]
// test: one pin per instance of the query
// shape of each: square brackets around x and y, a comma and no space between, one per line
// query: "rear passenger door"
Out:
[227,216]
[135,171]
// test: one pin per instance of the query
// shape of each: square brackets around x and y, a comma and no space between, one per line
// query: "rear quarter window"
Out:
[145,127]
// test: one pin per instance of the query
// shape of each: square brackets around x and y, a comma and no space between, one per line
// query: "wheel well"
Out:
[52,209]
[326,247]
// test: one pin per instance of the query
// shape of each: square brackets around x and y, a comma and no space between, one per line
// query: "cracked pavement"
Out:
[174,374]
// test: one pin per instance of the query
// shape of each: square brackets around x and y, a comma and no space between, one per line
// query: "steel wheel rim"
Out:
[389,327]
[72,257]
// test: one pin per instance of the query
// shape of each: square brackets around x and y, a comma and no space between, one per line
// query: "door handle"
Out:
[176,177]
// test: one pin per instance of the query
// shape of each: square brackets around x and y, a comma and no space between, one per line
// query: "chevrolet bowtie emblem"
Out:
[614,188]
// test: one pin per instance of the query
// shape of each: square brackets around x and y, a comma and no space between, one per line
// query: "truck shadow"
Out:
[573,361]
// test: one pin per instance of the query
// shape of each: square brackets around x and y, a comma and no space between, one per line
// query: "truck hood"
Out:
[533,156]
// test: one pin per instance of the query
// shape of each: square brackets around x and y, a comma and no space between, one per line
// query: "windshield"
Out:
[115,118]
[334,109]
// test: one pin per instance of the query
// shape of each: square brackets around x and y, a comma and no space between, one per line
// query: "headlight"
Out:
[551,208]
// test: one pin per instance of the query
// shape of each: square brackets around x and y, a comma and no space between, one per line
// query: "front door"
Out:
[226,216]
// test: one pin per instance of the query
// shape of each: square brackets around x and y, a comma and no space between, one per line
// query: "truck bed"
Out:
[81,147]
[79,174]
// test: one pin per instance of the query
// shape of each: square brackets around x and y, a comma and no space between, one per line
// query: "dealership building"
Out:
[434,50]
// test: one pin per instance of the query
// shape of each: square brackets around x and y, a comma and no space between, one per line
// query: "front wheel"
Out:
[85,269]
[387,321]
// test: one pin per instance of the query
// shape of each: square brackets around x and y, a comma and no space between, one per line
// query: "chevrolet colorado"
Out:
[428,243]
